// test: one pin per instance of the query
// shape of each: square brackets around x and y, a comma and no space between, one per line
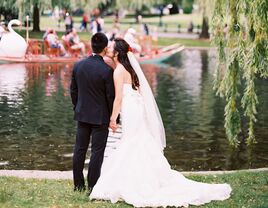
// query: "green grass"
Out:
[185,42]
[249,190]
[171,20]
[85,36]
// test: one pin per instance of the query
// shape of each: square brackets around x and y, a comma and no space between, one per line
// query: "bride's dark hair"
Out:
[122,48]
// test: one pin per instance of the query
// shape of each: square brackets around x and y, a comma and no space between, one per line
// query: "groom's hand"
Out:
[113,125]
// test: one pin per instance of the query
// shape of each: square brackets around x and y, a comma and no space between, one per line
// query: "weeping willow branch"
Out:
[218,39]
[242,58]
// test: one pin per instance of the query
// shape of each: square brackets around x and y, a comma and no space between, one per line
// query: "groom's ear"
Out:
[105,49]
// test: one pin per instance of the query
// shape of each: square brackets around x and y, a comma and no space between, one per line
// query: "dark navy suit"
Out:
[92,93]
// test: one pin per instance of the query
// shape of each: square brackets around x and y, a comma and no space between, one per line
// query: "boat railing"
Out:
[35,47]
[149,44]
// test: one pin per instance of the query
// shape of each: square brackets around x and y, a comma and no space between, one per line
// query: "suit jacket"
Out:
[92,90]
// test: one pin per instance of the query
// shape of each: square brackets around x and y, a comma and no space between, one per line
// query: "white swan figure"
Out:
[11,43]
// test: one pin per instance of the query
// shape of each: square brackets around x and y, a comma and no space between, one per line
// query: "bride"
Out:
[137,172]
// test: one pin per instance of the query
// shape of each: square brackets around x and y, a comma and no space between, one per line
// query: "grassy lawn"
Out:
[85,36]
[171,20]
[249,190]
[185,42]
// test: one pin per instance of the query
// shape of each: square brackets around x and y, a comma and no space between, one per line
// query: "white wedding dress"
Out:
[138,173]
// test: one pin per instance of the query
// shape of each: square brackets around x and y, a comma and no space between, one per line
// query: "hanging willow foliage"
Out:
[243,57]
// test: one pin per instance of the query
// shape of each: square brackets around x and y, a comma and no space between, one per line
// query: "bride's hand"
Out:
[113,125]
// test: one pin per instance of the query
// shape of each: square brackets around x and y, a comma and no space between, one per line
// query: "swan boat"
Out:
[21,52]
[12,45]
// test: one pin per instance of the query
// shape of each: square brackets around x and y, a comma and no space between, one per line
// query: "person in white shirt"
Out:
[97,25]
[68,21]
[75,42]
[132,41]
[54,42]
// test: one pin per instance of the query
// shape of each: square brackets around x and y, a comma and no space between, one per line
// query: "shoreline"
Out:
[67,175]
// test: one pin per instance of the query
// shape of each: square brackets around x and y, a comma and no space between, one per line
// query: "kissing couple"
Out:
[137,172]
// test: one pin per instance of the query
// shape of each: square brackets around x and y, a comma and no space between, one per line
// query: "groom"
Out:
[92,92]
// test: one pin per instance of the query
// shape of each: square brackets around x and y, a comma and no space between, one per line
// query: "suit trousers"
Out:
[98,135]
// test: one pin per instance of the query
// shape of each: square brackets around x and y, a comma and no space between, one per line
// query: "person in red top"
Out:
[84,22]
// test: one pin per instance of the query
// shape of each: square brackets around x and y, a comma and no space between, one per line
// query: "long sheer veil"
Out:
[153,117]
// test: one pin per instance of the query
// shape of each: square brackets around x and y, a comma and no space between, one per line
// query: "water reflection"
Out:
[38,132]
[13,78]
[193,117]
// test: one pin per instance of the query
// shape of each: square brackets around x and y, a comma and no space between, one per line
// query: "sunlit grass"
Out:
[171,20]
[250,189]
[185,42]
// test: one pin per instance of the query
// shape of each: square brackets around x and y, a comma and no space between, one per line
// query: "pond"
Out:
[37,130]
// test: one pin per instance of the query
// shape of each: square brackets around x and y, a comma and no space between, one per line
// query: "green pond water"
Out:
[37,130]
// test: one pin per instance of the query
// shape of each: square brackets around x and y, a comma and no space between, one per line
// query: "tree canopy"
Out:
[8,8]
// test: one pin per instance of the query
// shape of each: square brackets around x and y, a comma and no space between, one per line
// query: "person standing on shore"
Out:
[92,92]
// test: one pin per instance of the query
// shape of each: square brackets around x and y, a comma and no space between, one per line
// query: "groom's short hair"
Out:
[98,42]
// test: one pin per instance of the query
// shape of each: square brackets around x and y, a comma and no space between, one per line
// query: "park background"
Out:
[37,131]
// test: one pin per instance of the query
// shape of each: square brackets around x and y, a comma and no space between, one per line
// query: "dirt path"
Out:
[40,174]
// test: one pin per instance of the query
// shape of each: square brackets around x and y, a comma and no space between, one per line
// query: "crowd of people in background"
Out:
[90,23]
[94,20]
[71,40]
[142,38]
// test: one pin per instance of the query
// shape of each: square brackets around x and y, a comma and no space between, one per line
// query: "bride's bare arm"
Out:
[118,84]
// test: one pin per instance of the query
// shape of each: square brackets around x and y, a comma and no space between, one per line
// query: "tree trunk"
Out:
[204,32]
[36,19]
[137,14]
